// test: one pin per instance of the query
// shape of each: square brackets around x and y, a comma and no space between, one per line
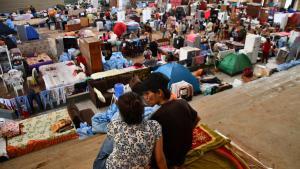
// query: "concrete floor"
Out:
[262,116]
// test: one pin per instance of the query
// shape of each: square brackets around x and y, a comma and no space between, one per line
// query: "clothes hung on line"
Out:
[32,96]
[9,103]
[23,106]
[46,99]
[59,94]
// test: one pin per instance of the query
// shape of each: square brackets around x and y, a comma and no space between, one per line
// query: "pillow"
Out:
[9,128]
[99,95]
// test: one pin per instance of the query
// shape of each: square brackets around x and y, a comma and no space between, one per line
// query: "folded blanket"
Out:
[60,125]
[9,128]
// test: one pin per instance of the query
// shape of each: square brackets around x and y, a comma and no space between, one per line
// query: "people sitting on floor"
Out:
[153,46]
[134,139]
[147,54]
[105,37]
[176,117]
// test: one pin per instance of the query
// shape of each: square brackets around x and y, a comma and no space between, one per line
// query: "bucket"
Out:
[52,26]
[119,89]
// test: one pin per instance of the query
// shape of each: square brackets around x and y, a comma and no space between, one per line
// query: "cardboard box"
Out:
[72,27]
[84,22]
[224,8]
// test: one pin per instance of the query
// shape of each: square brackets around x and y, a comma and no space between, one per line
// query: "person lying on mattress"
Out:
[134,139]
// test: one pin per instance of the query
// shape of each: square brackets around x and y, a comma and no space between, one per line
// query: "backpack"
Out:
[183,90]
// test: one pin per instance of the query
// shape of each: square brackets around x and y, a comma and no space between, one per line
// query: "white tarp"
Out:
[169,6]
[120,4]
[281,18]
[121,16]
[293,36]
[222,16]
[95,3]
[146,15]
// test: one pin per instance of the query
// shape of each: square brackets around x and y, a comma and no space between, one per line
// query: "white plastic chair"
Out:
[12,72]
[1,76]
[18,85]
[32,79]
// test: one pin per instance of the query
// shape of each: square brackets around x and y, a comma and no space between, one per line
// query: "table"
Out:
[114,72]
[35,21]
[234,44]
[12,77]
[61,74]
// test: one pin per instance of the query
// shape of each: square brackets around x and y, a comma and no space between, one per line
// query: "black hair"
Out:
[166,92]
[131,108]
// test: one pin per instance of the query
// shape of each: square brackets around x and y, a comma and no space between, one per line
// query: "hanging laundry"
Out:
[32,96]
[46,99]
[58,94]
[23,106]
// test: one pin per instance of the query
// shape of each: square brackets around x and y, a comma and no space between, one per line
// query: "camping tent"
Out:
[234,63]
[5,30]
[176,73]
[120,28]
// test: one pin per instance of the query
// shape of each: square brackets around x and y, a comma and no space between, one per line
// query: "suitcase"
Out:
[183,90]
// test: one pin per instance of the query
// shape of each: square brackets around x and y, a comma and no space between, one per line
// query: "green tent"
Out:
[234,63]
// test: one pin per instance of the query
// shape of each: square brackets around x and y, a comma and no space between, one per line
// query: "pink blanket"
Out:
[167,48]
[191,37]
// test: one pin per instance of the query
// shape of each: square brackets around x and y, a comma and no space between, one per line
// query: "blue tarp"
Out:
[176,73]
[116,61]
[5,30]
[132,26]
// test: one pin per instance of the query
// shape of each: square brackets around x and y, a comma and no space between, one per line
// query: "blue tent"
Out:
[176,73]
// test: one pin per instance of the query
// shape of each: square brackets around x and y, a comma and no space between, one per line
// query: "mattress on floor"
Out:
[37,134]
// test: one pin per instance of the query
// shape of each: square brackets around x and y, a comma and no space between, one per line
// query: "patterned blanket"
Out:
[37,134]
[205,139]
[36,62]
[209,151]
